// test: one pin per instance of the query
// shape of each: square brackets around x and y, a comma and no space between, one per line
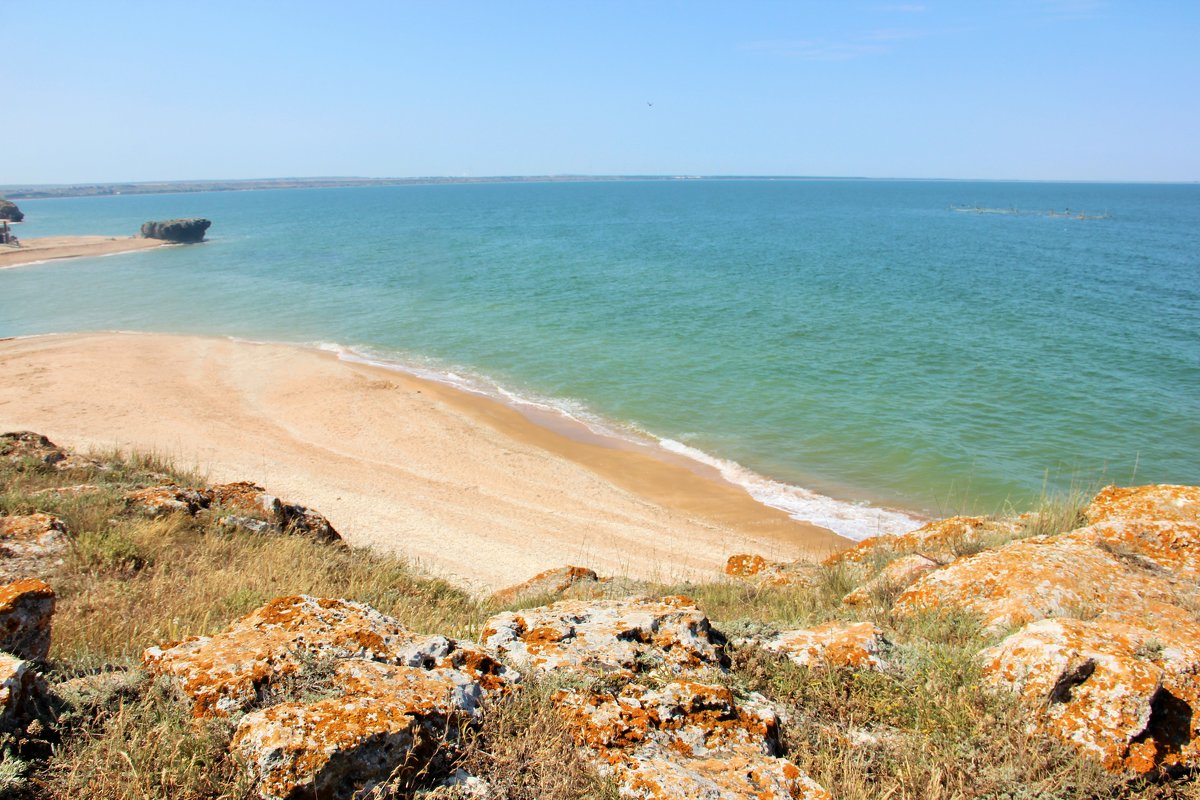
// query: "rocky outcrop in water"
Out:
[9,211]
[184,231]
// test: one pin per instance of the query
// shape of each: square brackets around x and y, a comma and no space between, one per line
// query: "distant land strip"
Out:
[34,191]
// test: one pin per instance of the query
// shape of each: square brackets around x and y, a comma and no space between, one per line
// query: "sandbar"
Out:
[47,248]
[463,485]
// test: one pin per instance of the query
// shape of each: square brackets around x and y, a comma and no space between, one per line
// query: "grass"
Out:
[925,728]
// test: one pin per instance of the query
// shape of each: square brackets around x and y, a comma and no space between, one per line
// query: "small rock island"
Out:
[9,211]
[177,230]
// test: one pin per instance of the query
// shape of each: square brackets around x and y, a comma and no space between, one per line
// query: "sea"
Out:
[859,353]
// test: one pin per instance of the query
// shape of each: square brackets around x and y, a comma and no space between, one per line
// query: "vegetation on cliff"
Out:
[801,676]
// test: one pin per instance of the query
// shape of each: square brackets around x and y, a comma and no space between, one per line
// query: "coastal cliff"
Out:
[163,636]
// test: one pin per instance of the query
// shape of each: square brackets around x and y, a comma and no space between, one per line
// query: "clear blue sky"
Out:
[1027,89]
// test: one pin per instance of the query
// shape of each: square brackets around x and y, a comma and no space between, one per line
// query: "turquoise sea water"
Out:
[858,339]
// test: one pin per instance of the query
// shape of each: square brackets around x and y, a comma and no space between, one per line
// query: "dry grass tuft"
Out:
[526,752]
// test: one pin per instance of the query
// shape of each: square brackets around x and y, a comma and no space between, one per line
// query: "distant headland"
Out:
[34,191]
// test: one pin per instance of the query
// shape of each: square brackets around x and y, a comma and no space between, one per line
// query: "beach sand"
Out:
[52,247]
[463,485]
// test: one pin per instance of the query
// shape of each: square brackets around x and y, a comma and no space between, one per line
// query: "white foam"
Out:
[856,521]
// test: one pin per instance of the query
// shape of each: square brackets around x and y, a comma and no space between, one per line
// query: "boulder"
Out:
[579,582]
[896,576]
[387,722]
[159,501]
[685,740]
[1036,578]
[611,636]
[1162,502]
[289,636]
[760,571]
[22,690]
[26,609]
[19,446]
[9,211]
[835,644]
[32,535]
[942,540]
[1125,694]
[252,499]
[177,230]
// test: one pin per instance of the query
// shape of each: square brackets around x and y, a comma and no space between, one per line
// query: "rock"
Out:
[280,516]
[1123,693]
[685,740]
[462,786]
[834,644]
[626,636]
[21,446]
[896,576]
[22,690]
[9,211]
[1161,502]
[942,540]
[177,230]
[26,609]
[159,501]
[758,570]
[1036,578]
[79,490]
[1171,547]
[388,722]
[576,580]
[225,672]
[31,536]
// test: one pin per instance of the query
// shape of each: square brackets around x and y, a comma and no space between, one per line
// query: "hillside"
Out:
[170,638]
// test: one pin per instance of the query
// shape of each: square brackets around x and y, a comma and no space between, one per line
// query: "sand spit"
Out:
[49,248]
[462,484]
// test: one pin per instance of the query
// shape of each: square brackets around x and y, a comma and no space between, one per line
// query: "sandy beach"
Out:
[52,247]
[465,486]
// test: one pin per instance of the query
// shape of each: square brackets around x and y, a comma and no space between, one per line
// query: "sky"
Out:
[1023,89]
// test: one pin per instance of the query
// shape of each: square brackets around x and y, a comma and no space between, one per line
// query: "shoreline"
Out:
[51,248]
[461,483]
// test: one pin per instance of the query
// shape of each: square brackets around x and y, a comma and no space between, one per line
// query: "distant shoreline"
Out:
[50,248]
[105,189]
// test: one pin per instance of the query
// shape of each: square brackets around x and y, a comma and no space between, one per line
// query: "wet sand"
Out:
[48,248]
[464,485]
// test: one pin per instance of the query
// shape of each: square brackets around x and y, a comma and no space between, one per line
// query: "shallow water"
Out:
[861,339]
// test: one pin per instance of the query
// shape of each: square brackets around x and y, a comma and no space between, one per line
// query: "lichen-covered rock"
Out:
[21,446]
[627,635]
[579,581]
[857,645]
[32,535]
[1122,693]
[78,490]
[223,673]
[942,540]
[685,740]
[1168,546]
[158,501]
[255,505]
[26,610]
[1036,578]
[758,570]
[177,230]
[1162,502]
[387,722]
[22,690]
[896,576]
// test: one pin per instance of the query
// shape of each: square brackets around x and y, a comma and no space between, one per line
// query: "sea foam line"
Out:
[853,520]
